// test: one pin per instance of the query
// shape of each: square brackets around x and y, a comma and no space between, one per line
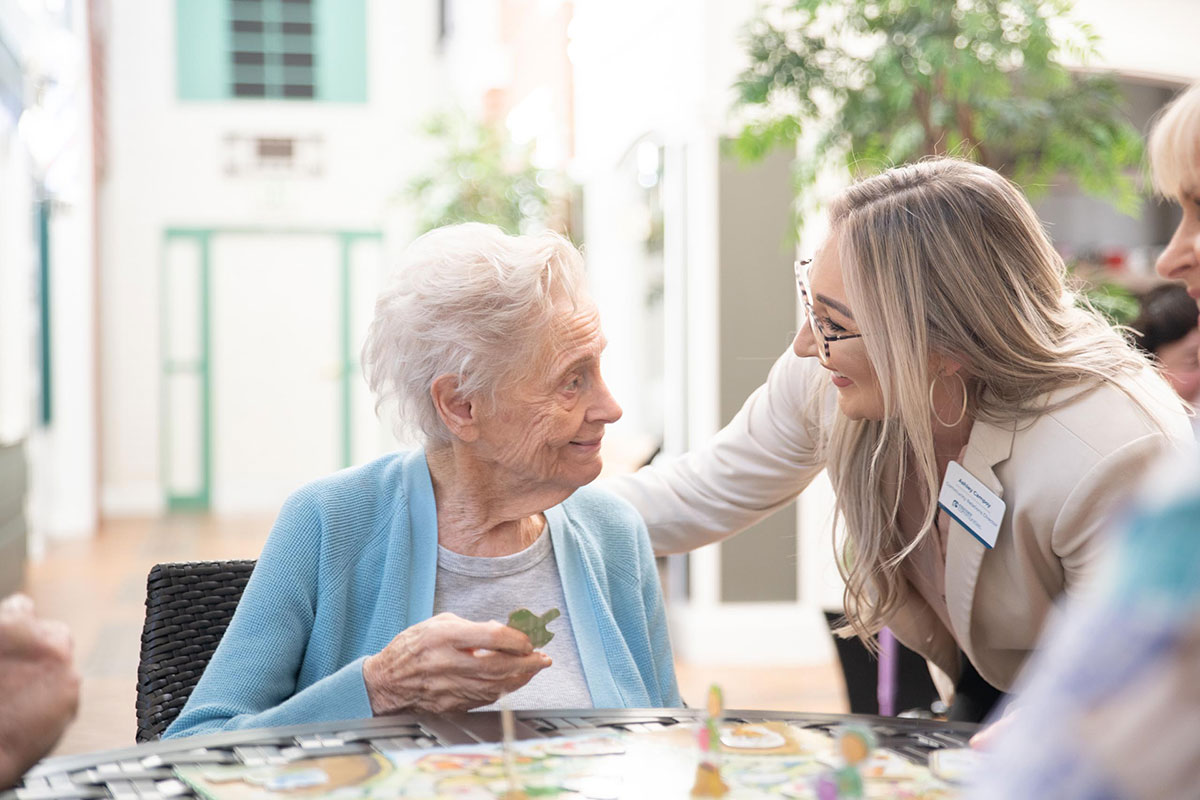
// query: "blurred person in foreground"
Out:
[978,425]
[39,688]
[383,588]
[1110,706]
[1167,329]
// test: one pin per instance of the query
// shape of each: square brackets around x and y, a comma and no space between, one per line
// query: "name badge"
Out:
[971,504]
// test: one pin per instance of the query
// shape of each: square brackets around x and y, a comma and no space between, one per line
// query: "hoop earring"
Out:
[962,412]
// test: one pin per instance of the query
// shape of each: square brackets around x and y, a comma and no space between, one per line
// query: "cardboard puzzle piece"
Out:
[534,626]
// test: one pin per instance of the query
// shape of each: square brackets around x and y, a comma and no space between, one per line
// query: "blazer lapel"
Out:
[988,446]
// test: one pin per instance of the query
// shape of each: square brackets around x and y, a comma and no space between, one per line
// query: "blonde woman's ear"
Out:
[943,366]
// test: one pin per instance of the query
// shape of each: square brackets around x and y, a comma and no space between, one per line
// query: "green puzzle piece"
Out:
[534,626]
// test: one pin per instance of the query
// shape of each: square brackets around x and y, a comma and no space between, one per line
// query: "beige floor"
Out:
[98,588]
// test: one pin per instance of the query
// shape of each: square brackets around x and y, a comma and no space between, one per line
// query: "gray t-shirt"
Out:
[482,589]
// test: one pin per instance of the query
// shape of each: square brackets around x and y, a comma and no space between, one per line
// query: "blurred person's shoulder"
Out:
[1172,480]
[1160,545]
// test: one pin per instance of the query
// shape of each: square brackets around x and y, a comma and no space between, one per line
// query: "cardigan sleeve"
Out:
[767,454]
[251,680]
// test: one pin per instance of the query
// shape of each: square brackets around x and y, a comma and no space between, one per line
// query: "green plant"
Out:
[480,175]
[1115,302]
[1110,297]
[890,81]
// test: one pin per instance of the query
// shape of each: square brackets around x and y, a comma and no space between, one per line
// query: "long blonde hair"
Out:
[945,257]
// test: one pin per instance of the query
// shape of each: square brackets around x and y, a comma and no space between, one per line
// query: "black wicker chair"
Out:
[188,608]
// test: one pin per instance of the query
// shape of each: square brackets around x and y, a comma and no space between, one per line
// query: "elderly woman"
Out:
[383,588]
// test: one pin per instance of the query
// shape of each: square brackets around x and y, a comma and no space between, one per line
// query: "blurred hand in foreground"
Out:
[39,688]
[988,734]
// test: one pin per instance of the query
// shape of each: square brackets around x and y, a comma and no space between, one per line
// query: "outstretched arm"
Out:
[758,463]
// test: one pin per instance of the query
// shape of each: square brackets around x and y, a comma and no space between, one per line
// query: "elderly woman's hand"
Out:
[448,663]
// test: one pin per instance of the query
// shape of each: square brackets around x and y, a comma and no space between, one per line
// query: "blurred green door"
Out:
[261,385]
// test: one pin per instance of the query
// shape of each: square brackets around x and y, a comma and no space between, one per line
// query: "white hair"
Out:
[469,301]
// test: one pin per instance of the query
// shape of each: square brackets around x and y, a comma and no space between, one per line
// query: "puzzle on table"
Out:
[763,760]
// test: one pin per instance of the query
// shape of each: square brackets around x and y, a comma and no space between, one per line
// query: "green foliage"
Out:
[1118,304]
[890,81]
[480,175]
[1115,302]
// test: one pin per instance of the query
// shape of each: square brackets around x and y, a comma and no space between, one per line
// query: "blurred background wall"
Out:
[199,198]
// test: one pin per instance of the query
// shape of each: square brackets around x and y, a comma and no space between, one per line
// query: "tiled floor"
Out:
[98,588]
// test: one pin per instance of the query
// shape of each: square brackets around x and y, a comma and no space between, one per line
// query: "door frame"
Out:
[201,366]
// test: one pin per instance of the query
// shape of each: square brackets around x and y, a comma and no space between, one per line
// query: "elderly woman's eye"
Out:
[574,384]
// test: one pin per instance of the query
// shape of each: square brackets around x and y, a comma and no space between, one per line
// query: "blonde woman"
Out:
[1110,706]
[944,356]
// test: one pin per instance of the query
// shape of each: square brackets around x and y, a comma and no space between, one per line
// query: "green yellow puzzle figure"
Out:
[534,626]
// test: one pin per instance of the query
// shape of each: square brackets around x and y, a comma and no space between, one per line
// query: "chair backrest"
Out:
[188,607]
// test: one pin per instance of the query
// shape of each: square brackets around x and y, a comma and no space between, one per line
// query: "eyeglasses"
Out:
[821,337]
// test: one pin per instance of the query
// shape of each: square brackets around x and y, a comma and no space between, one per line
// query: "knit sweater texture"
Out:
[352,561]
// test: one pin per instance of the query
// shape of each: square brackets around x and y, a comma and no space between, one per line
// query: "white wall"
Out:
[1150,38]
[54,148]
[167,168]
[661,67]
[665,68]
[17,286]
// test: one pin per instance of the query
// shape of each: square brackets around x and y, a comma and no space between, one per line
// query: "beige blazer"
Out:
[1062,476]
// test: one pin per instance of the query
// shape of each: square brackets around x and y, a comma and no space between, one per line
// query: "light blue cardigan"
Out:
[352,561]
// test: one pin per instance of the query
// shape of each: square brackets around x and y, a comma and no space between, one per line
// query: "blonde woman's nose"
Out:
[805,345]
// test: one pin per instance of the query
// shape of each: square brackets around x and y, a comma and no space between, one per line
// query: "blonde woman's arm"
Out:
[756,464]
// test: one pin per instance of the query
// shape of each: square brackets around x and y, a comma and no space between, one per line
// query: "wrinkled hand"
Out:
[448,663]
[39,688]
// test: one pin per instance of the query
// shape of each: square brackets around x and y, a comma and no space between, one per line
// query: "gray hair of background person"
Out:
[946,257]
[1175,146]
[470,301]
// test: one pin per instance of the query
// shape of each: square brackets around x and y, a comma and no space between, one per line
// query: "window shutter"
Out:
[202,49]
[341,50]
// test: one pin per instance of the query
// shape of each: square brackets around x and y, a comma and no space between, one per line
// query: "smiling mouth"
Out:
[835,374]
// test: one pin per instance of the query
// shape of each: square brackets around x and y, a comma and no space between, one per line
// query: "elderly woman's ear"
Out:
[457,413]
